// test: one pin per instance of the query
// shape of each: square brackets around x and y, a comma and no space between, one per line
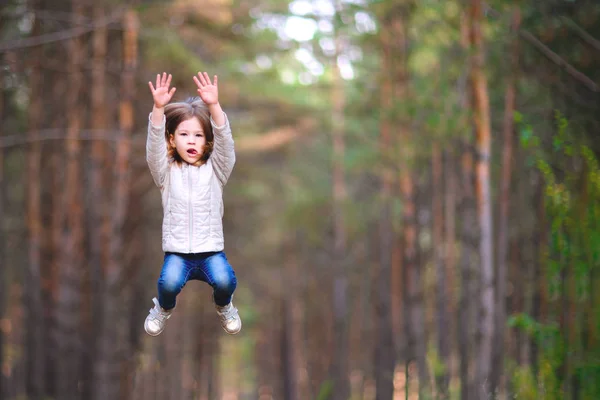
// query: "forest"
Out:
[414,212]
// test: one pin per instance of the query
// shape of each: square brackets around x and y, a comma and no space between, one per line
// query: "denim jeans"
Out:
[212,268]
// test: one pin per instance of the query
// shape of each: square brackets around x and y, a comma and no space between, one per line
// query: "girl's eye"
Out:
[183,134]
[199,135]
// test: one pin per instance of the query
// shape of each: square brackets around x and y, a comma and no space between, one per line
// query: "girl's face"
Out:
[189,140]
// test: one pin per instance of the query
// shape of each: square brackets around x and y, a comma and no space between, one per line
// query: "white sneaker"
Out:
[230,319]
[157,319]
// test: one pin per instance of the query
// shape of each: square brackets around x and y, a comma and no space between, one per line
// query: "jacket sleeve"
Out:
[223,155]
[156,152]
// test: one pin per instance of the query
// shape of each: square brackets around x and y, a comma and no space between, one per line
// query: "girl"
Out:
[190,153]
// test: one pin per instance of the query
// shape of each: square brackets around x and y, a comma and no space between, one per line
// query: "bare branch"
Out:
[60,35]
[268,141]
[50,15]
[58,134]
[574,72]
[571,70]
[595,43]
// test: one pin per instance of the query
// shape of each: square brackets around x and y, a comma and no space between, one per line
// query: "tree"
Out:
[99,234]
[341,387]
[35,315]
[468,234]
[481,115]
[3,260]
[443,323]
[385,359]
[112,323]
[503,218]
[71,267]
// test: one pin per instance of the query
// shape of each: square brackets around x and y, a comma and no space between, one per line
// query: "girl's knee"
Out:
[172,277]
[225,283]
[169,286]
[222,275]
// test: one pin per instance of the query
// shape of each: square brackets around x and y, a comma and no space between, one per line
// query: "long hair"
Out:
[176,113]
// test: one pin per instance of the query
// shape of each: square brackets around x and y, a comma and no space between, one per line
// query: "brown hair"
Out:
[176,113]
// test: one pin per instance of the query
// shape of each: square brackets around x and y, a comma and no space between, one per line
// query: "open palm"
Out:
[208,91]
[161,93]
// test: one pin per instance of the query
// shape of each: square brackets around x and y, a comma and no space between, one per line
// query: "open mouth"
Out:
[192,152]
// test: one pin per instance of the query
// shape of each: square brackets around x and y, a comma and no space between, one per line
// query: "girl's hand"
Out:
[161,94]
[209,92]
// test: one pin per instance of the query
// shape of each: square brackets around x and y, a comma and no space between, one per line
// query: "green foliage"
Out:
[569,169]
[436,365]
[546,384]
[325,390]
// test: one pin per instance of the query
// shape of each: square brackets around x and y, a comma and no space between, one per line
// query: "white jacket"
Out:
[192,197]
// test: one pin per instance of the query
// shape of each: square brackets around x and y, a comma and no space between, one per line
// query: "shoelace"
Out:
[229,314]
[156,314]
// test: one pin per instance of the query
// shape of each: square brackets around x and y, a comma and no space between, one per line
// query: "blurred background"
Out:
[414,212]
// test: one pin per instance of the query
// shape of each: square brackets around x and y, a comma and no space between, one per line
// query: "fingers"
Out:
[172,92]
[197,82]
[203,81]
[151,87]
[164,80]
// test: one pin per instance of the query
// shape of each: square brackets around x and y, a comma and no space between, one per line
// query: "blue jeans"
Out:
[212,268]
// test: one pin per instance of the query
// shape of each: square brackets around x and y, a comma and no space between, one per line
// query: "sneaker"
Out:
[156,320]
[230,319]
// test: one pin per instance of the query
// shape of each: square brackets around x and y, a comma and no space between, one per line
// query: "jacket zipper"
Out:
[191,219]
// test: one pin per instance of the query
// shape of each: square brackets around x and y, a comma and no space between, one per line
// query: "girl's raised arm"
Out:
[156,147]
[223,155]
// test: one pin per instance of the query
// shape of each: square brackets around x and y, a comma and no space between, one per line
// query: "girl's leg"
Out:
[173,277]
[220,275]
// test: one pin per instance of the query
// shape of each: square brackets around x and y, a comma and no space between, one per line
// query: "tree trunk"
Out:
[414,305]
[137,289]
[68,314]
[54,155]
[35,316]
[481,114]
[450,192]
[443,323]
[467,309]
[294,349]
[97,198]
[4,285]
[174,350]
[289,379]
[56,253]
[414,321]
[339,369]
[137,313]
[501,278]
[212,350]
[113,332]
[384,348]
[360,320]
